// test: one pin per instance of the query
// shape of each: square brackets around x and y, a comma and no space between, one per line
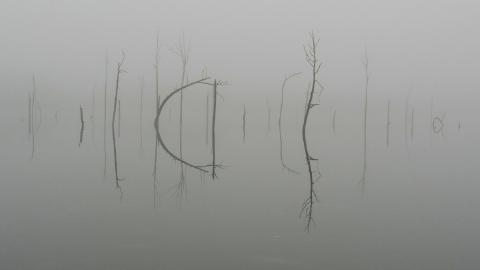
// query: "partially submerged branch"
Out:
[159,137]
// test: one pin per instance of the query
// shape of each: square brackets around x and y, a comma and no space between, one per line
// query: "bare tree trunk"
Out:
[105,118]
[115,101]
[244,119]
[29,115]
[92,116]
[311,58]
[140,116]
[365,120]
[82,124]
[119,120]
[206,121]
[214,114]
[280,134]
[159,138]
[388,125]
[334,118]
[412,124]
[269,112]
[182,52]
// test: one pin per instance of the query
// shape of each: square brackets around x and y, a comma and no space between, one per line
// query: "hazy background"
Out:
[420,209]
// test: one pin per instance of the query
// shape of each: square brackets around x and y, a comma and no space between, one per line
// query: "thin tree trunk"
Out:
[334,121]
[280,130]
[213,127]
[82,124]
[244,119]
[388,125]
[140,120]
[365,120]
[105,118]
[115,102]
[206,121]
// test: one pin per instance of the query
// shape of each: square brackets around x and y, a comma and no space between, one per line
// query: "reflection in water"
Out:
[117,179]
[365,119]
[214,114]
[159,137]
[155,181]
[119,120]
[207,119]
[105,117]
[280,134]
[34,115]
[157,105]
[182,51]
[388,124]
[244,121]
[92,116]
[140,117]
[269,116]
[437,124]
[311,58]
[334,121]
[82,125]
[412,124]
[407,108]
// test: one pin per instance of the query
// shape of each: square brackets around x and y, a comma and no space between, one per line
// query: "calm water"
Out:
[417,210]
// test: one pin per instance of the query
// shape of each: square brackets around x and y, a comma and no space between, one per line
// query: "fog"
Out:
[390,137]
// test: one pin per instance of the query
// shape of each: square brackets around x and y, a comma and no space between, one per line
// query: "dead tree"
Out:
[159,137]
[82,125]
[182,51]
[412,124]
[244,122]
[207,120]
[365,121]
[311,57]
[92,116]
[280,134]
[334,118]
[140,116]
[388,125]
[119,120]
[105,118]
[214,114]
[269,114]
[115,102]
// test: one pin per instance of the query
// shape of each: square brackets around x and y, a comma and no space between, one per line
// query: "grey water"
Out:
[404,198]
